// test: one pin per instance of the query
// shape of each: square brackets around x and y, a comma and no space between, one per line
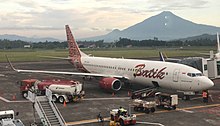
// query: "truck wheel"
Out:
[54,98]
[186,97]
[147,111]
[25,95]
[169,108]
[135,108]
[121,121]
[141,109]
[174,107]
[61,99]
[112,117]
[152,109]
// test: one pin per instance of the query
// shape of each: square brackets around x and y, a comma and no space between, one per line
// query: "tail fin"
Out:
[74,50]
[161,57]
[218,47]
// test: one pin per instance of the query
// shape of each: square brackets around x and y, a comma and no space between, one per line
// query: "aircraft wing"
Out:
[64,73]
[53,57]
[207,54]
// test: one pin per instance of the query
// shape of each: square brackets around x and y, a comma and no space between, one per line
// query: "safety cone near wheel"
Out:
[64,103]
[113,94]
[14,97]
[129,93]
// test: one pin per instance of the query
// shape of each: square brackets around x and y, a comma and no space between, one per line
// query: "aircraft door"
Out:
[176,75]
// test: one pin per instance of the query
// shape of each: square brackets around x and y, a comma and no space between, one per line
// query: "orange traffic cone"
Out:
[14,97]
[64,104]
[113,94]
[129,94]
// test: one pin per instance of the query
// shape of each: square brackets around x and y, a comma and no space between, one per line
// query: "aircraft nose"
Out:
[208,83]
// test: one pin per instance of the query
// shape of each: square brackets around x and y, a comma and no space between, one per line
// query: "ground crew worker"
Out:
[100,118]
[205,96]
[121,111]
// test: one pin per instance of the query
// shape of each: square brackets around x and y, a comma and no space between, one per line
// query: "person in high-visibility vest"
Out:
[122,111]
[205,96]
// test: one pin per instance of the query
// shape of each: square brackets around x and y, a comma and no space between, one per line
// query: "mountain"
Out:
[164,26]
[27,39]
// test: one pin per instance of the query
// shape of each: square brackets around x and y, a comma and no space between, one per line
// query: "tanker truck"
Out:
[62,90]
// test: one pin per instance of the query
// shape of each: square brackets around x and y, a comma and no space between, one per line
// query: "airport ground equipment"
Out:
[143,93]
[122,118]
[46,109]
[144,106]
[167,101]
[7,118]
[63,90]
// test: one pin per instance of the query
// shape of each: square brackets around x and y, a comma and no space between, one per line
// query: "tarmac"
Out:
[188,113]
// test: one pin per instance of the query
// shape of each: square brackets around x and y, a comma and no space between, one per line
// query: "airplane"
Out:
[114,72]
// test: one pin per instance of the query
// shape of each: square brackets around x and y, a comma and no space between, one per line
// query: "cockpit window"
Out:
[194,74]
[199,74]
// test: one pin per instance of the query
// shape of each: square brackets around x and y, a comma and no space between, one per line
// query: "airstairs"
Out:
[46,109]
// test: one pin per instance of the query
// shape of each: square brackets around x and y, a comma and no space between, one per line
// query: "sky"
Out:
[87,18]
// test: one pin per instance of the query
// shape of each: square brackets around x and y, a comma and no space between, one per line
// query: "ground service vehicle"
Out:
[7,118]
[122,119]
[62,90]
[143,93]
[164,100]
[144,106]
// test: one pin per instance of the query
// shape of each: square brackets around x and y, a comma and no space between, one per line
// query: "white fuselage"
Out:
[165,74]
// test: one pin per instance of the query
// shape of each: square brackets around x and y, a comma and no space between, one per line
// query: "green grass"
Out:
[144,52]
[30,55]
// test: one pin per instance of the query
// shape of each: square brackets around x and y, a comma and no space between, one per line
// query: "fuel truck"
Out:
[62,90]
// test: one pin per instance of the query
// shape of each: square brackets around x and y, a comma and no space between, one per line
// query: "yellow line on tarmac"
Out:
[85,121]
[197,107]
[139,114]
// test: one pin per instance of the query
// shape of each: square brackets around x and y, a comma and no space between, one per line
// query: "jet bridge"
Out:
[46,109]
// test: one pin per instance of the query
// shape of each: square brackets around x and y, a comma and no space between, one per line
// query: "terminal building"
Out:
[210,67]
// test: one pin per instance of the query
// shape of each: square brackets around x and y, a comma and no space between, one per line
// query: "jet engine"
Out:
[110,84]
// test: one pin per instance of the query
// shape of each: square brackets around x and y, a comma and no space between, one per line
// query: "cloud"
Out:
[31,28]
[95,29]
[98,16]
[161,5]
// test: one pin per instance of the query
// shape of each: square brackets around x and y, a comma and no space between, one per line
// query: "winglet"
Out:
[9,62]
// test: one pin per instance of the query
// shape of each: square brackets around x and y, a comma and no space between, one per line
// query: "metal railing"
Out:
[42,111]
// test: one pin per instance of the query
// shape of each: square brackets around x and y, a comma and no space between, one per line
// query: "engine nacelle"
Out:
[111,84]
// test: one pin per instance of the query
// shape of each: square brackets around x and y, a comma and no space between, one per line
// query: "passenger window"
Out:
[189,74]
[193,74]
